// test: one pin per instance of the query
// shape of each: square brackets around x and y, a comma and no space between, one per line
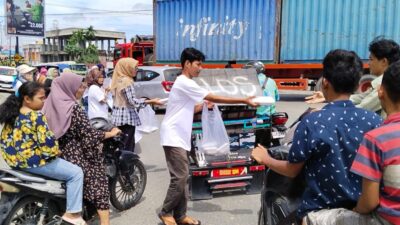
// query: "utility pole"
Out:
[16,45]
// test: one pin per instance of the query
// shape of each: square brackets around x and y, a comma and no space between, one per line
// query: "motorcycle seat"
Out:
[24,176]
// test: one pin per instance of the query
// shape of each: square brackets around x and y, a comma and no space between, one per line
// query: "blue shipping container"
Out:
[311,28]
[224,30]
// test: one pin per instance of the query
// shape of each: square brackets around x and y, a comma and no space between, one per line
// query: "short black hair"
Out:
[391,82]
[192,55]
[385,48]
[343,70]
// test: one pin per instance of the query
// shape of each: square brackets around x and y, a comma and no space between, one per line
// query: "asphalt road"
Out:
[230,209]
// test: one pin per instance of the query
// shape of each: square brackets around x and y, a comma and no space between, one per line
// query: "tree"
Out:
[76,46]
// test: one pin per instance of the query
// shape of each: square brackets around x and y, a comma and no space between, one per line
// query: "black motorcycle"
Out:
[281,195]
[28,199]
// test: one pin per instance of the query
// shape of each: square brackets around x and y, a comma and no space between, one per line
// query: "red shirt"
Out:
[378,159]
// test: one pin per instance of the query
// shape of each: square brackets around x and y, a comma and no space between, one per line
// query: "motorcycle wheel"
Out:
[27,212]
[123,195]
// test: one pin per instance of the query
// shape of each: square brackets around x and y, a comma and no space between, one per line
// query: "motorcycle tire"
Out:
[30,207]
[122,195]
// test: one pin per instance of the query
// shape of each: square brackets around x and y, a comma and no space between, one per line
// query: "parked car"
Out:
[155,81]
[7,78]
[79,69]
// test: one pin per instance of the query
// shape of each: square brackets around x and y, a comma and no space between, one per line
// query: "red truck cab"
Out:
[141,51]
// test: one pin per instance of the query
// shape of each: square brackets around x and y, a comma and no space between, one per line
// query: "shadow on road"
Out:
[210,207]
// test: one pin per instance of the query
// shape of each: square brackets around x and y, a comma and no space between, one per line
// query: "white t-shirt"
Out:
[97,108]
[176,128]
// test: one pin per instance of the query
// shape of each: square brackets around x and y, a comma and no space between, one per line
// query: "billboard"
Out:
[25,17]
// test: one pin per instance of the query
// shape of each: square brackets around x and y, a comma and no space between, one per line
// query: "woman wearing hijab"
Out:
[124,113]
[79,143]
[52,73]
[97,99]
[41,78]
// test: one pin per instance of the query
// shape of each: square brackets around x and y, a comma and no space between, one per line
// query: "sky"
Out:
[129,16]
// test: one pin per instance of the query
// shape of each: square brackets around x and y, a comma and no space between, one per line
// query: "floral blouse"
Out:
[30,143]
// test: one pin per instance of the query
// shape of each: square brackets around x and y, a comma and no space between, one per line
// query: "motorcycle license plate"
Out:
[228,172]
[278,134]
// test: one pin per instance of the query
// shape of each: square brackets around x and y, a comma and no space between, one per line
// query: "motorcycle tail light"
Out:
[257,168]
[200,173]
[279,118]
[167,85]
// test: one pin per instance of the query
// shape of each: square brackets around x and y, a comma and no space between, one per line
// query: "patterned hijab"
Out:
[59,104]
[122,76]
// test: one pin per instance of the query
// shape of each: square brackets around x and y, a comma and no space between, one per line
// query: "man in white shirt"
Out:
[176,130]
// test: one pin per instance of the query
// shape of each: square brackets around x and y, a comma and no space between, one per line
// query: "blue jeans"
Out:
[60,169]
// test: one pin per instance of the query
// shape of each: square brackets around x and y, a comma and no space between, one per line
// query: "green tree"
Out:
[76,46]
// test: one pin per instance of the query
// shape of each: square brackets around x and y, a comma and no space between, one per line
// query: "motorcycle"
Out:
[28,199]
[281,196]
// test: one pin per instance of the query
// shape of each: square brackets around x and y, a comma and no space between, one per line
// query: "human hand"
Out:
[260,154]
[317,97]
[209,104]
[249,101]
[115,131]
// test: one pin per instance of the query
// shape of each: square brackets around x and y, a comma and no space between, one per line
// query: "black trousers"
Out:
[129,137]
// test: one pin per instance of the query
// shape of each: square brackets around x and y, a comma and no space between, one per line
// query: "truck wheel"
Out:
[365,83]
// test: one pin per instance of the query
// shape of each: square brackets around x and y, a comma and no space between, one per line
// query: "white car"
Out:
[155,81]
[7,78]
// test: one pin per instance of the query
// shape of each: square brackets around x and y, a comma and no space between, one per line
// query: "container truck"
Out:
[290,36]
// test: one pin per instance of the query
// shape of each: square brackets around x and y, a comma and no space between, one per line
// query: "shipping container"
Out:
[311,28]
[225,30]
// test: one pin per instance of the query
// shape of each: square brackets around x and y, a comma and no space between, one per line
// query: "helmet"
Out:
[257,65]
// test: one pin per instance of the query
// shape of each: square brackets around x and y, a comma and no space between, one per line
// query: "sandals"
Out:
[77,221]
[187,220]
[167,219]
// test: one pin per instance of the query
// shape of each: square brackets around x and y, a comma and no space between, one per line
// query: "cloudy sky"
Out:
[130,16]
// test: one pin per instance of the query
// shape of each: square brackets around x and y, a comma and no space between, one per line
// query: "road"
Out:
[231,209]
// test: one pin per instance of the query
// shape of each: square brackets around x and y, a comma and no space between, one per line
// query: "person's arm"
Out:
[369,198]
[370,101]
[228,100]
[45,138]
[283,167]
[317,97]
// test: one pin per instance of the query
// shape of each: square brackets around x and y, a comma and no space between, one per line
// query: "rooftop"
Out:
[99,34]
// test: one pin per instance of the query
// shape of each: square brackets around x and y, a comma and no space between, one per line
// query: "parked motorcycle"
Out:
[28,199]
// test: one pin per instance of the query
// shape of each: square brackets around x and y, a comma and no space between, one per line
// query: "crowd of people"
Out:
[348,154]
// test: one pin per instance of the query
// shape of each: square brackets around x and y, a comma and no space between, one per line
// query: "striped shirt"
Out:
[128,115]
[378,159]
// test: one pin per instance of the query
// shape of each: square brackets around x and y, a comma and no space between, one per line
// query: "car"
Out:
[79,69]
[8,75]
[155,81]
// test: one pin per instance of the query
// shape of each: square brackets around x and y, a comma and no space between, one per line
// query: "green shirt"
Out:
[270,90]
[37,13]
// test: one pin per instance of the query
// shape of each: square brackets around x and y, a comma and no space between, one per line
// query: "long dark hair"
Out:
[9,110]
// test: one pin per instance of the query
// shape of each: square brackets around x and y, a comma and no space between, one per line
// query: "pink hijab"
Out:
[59,104]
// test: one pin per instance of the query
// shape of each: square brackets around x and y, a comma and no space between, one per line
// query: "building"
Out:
[32,53]
[53,47]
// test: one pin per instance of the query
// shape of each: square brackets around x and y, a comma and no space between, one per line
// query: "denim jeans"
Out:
[60,169]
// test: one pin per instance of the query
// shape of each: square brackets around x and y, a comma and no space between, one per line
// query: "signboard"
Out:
[238,83]
[25,17]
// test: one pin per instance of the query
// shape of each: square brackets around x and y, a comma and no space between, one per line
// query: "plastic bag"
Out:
[215,140]
[148,119]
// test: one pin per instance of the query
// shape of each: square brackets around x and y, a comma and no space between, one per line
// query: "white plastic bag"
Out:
[215,140]
[148,119]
